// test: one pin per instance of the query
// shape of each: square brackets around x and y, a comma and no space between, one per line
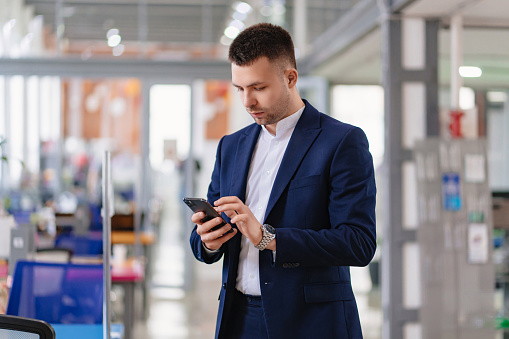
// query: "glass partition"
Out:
[63,124]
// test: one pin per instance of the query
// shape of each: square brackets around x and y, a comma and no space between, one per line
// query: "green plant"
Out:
[2,142]
[4,202]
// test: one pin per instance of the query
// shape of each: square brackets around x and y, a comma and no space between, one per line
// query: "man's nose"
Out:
[249,99]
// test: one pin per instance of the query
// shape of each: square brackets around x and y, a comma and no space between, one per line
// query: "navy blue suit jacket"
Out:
[322,205]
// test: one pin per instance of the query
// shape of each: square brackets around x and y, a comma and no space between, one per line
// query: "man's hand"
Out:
[242,216]
[212,240]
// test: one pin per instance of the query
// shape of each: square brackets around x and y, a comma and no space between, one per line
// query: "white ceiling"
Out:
[485,12]
[485,44]
[360,64]
[168,22]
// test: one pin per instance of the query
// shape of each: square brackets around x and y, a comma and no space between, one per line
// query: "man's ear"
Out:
[291,77]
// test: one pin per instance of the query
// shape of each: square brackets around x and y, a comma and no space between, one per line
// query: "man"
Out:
[298,189]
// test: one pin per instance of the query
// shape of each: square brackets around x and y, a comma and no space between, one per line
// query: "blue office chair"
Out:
[12,327]
[57,293]
[81,245]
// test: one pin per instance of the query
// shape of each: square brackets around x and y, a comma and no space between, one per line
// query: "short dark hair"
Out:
[262,40]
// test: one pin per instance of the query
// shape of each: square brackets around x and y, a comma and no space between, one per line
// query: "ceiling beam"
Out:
[106,68]
[166,3]
[362,19]
[352,26]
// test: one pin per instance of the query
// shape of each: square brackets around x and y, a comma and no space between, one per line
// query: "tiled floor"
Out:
[176,314]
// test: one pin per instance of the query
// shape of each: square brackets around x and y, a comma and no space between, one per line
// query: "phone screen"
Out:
[202,205]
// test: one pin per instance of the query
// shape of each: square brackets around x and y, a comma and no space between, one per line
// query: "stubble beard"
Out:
[275,113]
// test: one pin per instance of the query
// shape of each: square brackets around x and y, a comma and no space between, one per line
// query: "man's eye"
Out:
[239,89]
[258,88]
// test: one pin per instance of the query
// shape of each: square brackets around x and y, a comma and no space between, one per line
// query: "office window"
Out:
[362,106]
[50,108]
[2,126]
[497,112]
[32,128]
[170,123]
[16,102]
[2,106]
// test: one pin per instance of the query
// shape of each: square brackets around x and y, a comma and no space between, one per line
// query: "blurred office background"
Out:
[148,80]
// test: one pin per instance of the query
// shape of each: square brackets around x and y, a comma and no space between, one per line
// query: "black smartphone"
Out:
[202,205]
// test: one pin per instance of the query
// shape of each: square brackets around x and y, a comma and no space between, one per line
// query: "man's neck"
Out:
[296,102]
[295,106]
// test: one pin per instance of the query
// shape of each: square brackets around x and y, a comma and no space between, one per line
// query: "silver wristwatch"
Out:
[269,233]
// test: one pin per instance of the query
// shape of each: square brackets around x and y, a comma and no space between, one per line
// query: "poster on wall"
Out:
[451,192]
[478,243]
[218,99]
[475,168]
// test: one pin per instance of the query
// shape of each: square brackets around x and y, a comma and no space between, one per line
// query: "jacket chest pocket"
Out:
[304,182]
[306,199]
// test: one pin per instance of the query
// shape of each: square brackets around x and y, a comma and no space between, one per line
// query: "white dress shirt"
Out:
[265,163]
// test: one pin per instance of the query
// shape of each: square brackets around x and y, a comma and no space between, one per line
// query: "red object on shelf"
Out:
[455,124]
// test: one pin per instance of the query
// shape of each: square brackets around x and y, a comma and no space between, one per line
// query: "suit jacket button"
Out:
[285,265]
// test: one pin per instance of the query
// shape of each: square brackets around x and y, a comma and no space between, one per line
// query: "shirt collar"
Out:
[287,123]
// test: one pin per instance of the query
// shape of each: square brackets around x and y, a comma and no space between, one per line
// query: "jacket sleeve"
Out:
[349,239]
[213,194]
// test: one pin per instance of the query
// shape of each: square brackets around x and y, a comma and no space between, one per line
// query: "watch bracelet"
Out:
[266,239]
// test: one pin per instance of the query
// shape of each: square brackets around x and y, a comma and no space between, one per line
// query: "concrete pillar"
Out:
[300,26]
[409,59]
[456,59]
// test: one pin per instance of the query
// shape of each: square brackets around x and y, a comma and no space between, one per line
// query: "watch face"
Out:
[270,229]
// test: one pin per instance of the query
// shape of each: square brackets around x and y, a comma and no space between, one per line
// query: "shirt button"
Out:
[276,142]
[260,207]
[251,276]
[268,172]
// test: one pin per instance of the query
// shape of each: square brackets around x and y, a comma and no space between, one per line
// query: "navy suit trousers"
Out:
[247,320]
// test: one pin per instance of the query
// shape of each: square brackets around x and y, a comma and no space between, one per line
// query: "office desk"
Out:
[128,238]
[128,274]
[86,331]
[147,239]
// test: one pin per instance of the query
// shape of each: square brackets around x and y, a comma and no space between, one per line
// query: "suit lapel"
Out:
[244,153]
[304,134]
[245,148]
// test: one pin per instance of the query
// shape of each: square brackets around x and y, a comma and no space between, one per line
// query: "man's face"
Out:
[263,90]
